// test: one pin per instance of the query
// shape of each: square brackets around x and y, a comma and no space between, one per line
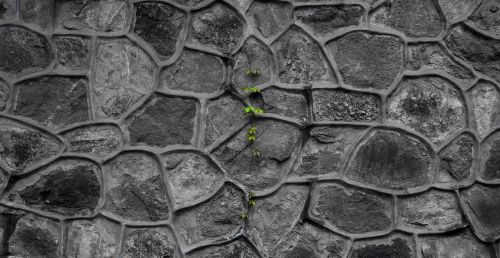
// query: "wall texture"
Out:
[122,132]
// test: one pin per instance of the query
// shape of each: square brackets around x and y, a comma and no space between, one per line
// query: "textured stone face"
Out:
[252,55]
[458,10]
[72,52]
[481,204]
[36,12]
[368,60]
[486,106]
[4,94]
[455,161]
[270,18]
[327,18]
[400,246]
[283,103]
[149,243]
[8,9]
[348,106]
[96,238]
[490,158]
[238,248]
[461,244]
[99,140]
[486,17]
[223,116]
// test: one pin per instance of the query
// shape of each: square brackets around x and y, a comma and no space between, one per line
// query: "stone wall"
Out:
[122,131]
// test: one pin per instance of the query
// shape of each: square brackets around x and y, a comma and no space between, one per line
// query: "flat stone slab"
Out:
[150,243]
[481,203]
[95,238]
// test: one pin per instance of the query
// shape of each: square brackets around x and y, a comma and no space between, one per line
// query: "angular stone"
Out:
[270,18]
[307,240]
[149,243]
[238,248]
[396,245]
[458,10]
[368,60]
[8,9]
[324,19]
[392,160]
[283,103]
[429,57]
[215,219]
[194,71]
[23,147]
[4,180]
[490,158]
[122,74]
[300,59]
[223,116]
[92,238]
[487,17]
[486,106]
[135,190]
[159,25]
[326,150]
[480,51]
[54,101]
[163,121]
[482,205]
[4,94]
[455,161]
[73,52]
[23,50]
[274,216]
[344,105]
[99,15]
[252,55]
[417,18]
[432,211]
[97,139]
[277,144]
[191,177]
[459,244]
[218,27]
[36,12]
[68,187]
[430,105]
[35,237]
[8,220]
[350,210]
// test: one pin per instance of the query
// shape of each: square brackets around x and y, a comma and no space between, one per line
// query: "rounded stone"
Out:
[223,116]
[72,52]
[458,10]
[458,244]
[252,55]
[456,160]
[482,204]
[36,12]
[270,18]
[345,105]
[283,103]
[486,17]
[395,245]
[489,169]
[94,139]
[325,19]
[238,248]
[92,238]
[486,106]
[149,243]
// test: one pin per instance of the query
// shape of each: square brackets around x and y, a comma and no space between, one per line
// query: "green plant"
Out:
[243,216]
[252,89]
[252,72]
[251,199]
[253,110]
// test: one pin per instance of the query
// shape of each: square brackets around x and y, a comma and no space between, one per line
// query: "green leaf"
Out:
[252,130]
[251,138]
[252,202]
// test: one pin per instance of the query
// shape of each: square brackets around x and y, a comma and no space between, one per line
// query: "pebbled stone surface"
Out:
[94,139]
[252,55]
[347,106]
[490,158]
[396,245]
[95,238]
[460,244]
[282,103]
[72,52]
[53,101]
[270,18]
[481,203]
[430,105]
[223,116]
[149,243]
[237,248]
[368,60]
[485,99]
[324,19]
[456,160]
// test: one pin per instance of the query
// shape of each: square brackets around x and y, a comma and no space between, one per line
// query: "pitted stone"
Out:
[4,94]
[368,60]
[53,101]
[350,210]
[23,50]
[35,237]
[284,103]
[92,238]
[346,106]
[395,245]
[300,59]
[487,18]
[274,216]
[223,116]
[238,248]
[215,219]
[134,187]
[277,144]
[67,186]
[149,243]
[392,160]
[456,160]
[490,158]
[252,55]
[122,74]
[94,139]
[270,18]
[194,71]
[326,150]
[218,27]
[191,177]
[307,240]
[417,18]
[160,25]
[8,9]
[73,52]
[105,16]
[478,50]
[36,12]
[163,121]
[458,10]
[430,105]
[325,19]
[486,107]
[24,147]
[458,244]
[482,203]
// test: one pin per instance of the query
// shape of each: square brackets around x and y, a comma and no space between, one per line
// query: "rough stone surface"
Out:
[223,116]
[95,139]
[252,55]
[8,9]
[134,188]
[23,50]
[482,203]
[283,103]
[430,105]
[96,238]
[347,106]
[490,158]
[53,101]
[36,12]
[159,25]
[486,17]
[486,107]
[149,243]
[393,246]
[392,160]
[270,18]
[4,95]
[350,210]
[418,18]
[460,244]
[72,52]
[194,72]
[458,10]
[324,19]
[238,248]
[368,60]
[456,160]
[163,121]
